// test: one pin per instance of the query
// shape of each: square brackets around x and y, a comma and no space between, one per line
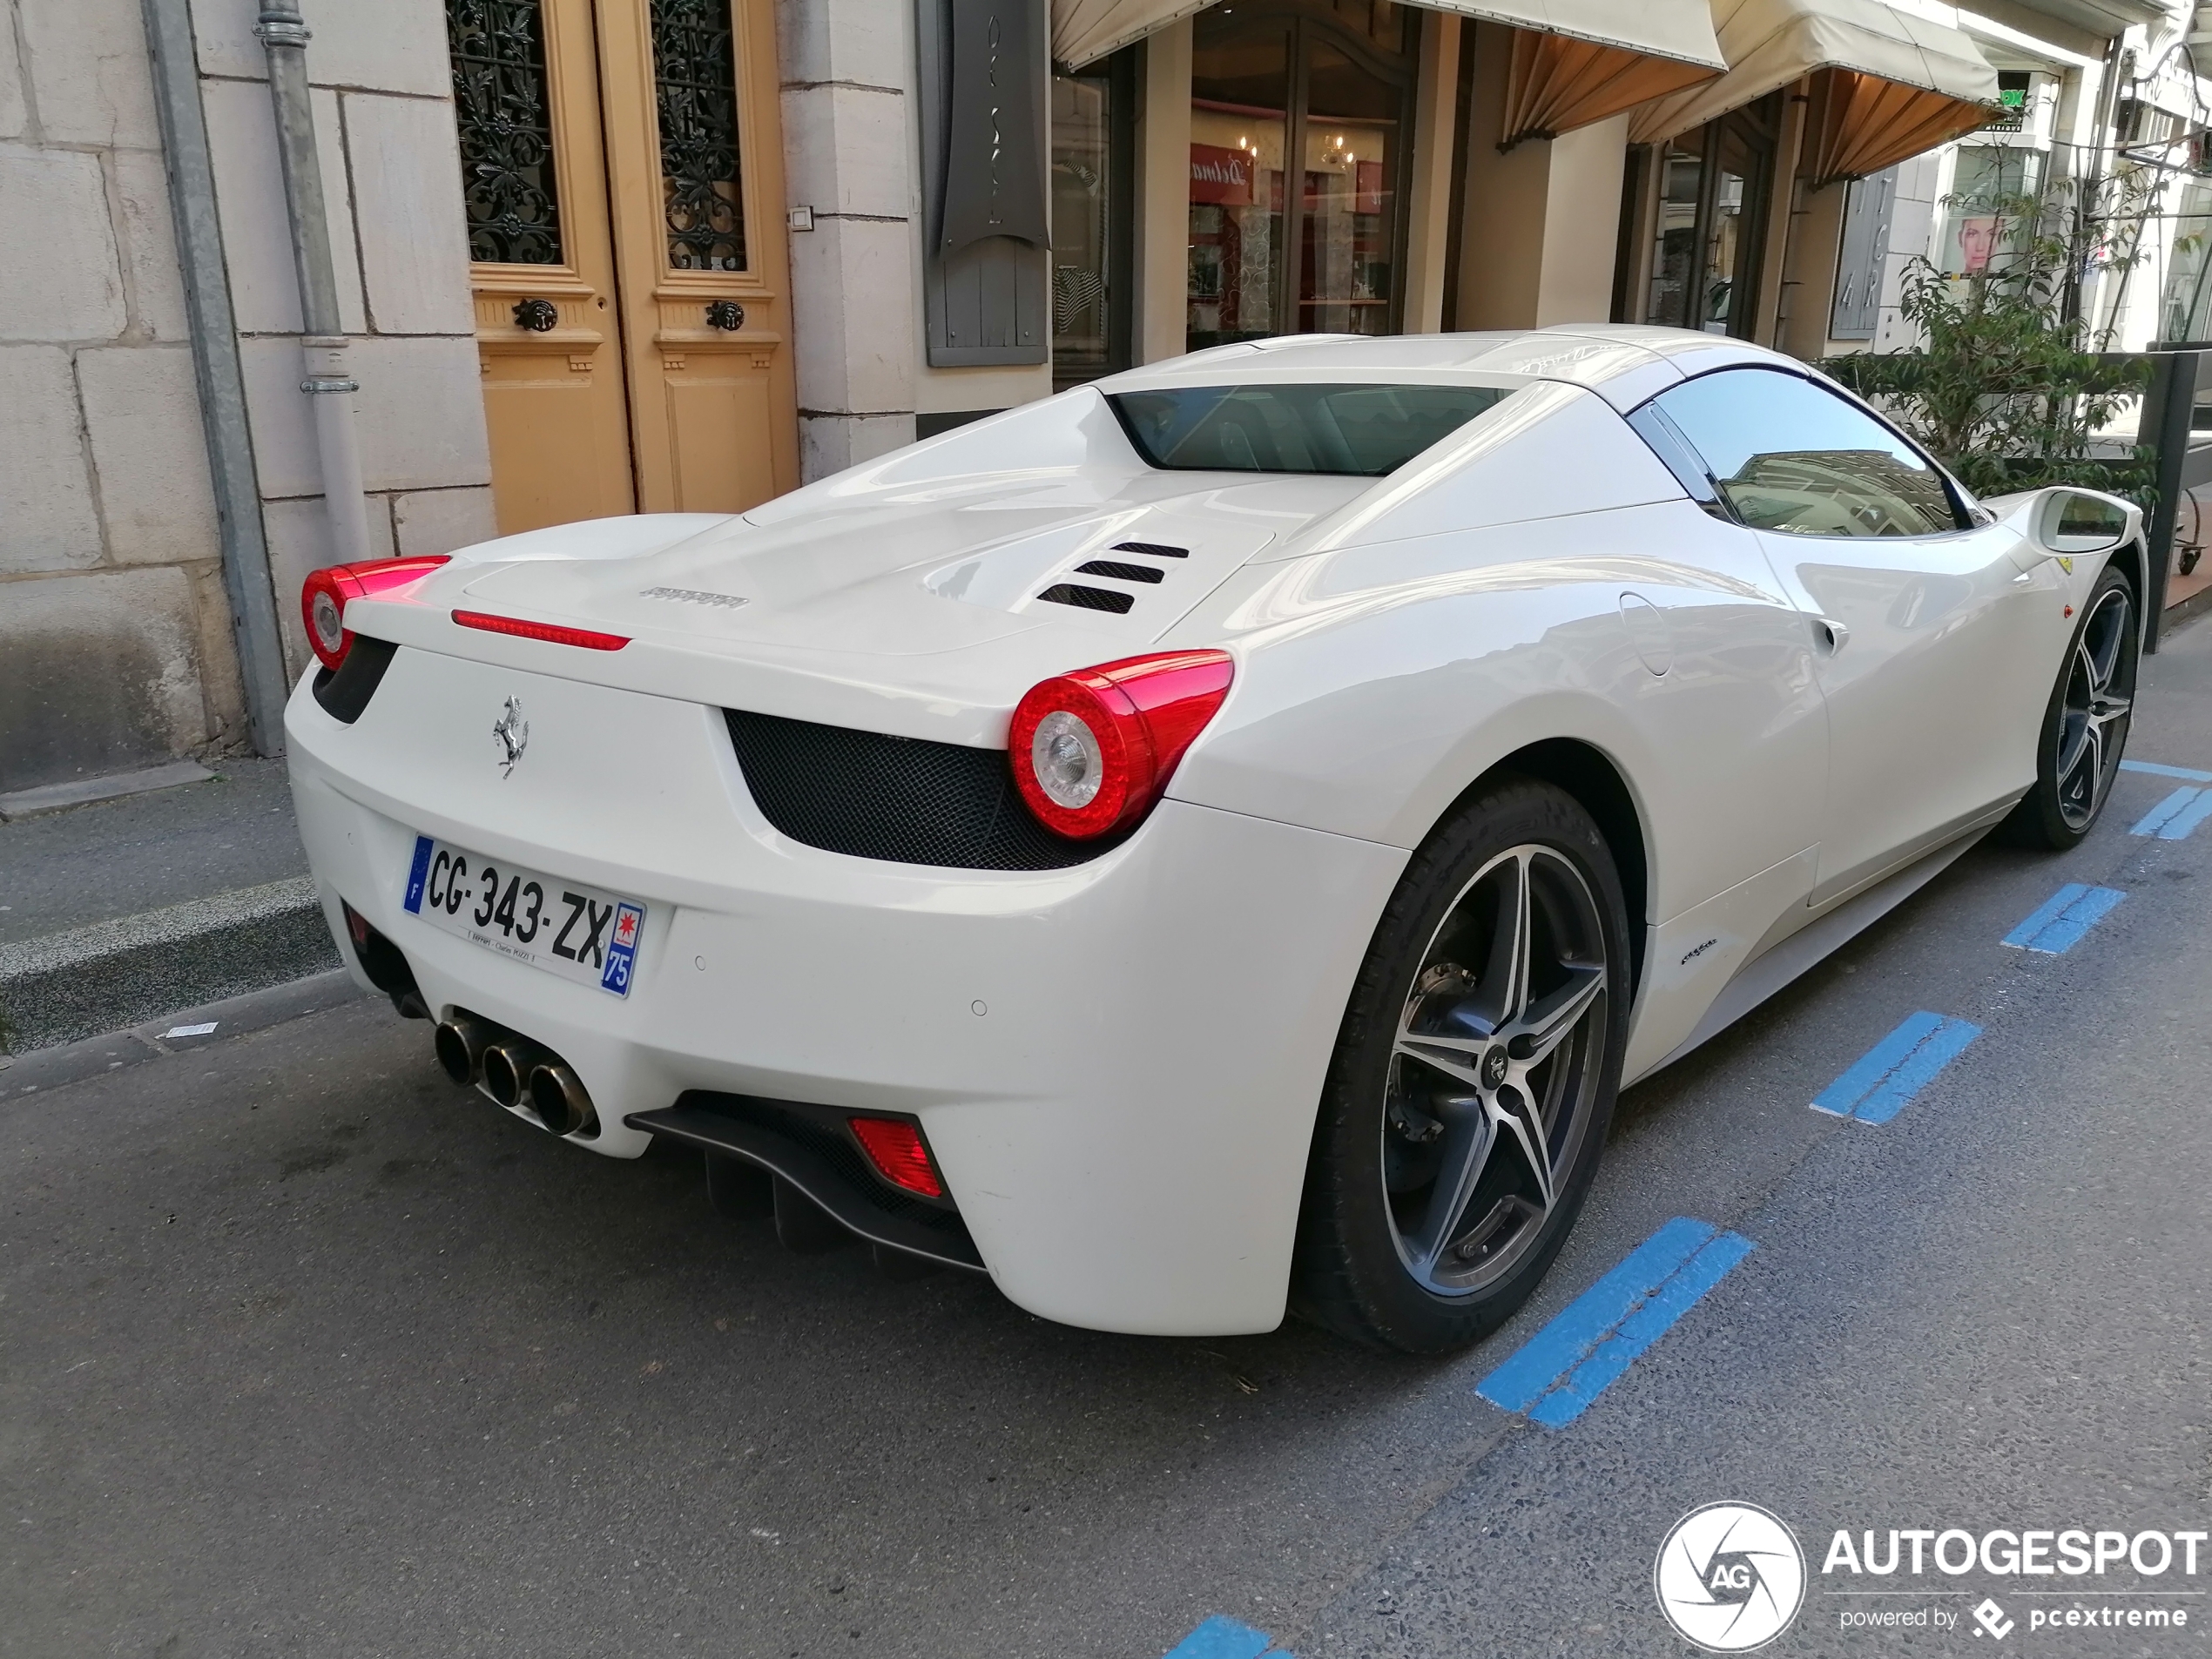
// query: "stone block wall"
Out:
[848,143]
[115,642]
[383,99]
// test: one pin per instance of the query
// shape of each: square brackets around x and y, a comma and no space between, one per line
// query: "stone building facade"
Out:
[599,256]
[116,633]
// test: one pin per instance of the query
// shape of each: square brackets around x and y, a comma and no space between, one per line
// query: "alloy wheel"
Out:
[2093,726]
[1496,1071]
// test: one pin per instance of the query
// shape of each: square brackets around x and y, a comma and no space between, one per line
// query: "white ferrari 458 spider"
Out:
[1216,840]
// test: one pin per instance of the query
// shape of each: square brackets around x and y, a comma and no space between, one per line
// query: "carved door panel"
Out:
[622,169]
[695,159]
[526,92]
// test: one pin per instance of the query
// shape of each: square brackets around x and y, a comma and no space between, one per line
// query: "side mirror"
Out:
[2075,520]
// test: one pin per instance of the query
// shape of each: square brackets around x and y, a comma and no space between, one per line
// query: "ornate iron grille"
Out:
[695,84]
[499,101]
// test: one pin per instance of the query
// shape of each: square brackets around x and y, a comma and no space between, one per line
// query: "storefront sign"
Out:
[1221,175]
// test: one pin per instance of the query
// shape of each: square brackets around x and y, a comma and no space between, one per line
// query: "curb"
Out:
[66,987]
[48,1070]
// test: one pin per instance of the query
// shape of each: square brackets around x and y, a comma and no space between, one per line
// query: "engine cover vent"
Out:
[1121,572]
[1068,593]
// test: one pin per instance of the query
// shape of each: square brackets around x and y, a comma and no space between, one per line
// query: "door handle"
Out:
[539,316]
[1831,634]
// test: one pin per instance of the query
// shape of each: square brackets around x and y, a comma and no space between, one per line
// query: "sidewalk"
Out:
[113,913]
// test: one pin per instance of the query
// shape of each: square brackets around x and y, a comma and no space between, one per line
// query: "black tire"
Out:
[1382,1258]
[2085,726]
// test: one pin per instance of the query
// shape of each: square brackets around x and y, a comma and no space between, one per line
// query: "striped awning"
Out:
[1887,84]
[1681,31]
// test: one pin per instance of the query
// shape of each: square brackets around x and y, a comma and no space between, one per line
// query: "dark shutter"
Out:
[1858,264]
[986,276]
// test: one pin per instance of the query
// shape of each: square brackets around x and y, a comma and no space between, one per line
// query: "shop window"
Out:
[1713,190]
[1993,191]
[2187,312]
[1093,182]
[1276,249]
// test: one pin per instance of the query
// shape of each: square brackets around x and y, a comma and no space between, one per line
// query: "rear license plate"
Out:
[562,927]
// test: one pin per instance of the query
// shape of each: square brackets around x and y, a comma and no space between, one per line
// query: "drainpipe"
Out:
[283,38]
[222,384]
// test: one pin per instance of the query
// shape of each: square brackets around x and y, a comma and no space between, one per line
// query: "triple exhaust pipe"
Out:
[515,1071]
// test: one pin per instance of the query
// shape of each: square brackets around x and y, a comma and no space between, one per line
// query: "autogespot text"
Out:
[2073,1552]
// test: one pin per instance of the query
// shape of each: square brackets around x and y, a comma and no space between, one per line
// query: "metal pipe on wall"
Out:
[283,38]
[221,380]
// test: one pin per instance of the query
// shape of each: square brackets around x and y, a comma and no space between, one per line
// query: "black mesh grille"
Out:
[1121,572]
[905,800]
[345,693]
[1158,549]
[1067,593]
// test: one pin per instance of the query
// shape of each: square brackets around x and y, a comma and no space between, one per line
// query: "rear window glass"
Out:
[1365,431]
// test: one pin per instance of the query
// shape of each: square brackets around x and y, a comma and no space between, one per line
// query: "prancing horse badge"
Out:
[513,735]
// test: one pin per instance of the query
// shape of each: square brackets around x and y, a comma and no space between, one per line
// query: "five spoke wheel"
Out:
[1495,1074]
[2093,727]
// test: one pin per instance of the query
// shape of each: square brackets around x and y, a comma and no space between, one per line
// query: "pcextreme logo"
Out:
[1730,1577]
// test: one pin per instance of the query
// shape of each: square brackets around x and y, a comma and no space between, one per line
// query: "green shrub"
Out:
[2009,388]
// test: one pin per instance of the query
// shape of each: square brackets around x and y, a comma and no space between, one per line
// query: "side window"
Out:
[1792,456]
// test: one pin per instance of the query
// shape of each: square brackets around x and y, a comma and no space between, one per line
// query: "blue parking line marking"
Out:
[2154,767]
[2178,827]
[2158,821]
[1884,1080]
[1224,1638]
[2064,918]
[1556,1374]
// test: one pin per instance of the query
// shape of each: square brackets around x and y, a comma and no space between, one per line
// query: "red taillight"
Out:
[551,633]
[323,597]
[1093,750]
[894,1147]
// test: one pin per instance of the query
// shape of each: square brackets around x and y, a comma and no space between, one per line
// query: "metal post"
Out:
[215,364]
[284,39]
[2168,403]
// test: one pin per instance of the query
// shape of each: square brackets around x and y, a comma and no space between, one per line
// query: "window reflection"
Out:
[1344,239]
[1284,247]
[1239,117]
[1792,456]
[1081,205]
[1705,267]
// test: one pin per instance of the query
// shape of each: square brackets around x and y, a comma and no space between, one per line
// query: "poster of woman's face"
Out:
[1976,240]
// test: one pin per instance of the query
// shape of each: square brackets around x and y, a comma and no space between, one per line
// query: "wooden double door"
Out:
[622,166]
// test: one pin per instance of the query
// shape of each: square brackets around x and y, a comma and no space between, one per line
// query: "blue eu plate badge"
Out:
[621,955]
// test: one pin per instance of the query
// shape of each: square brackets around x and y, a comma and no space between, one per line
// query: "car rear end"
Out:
[854,958]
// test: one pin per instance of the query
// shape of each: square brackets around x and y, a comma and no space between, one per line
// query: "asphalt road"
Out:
[302,1351]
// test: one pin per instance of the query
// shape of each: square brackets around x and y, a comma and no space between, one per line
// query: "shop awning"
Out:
[1887,83]
[1678,30]
[1556,83]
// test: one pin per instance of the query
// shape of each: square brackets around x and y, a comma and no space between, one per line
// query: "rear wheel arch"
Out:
[2130,559]
[1597,783]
